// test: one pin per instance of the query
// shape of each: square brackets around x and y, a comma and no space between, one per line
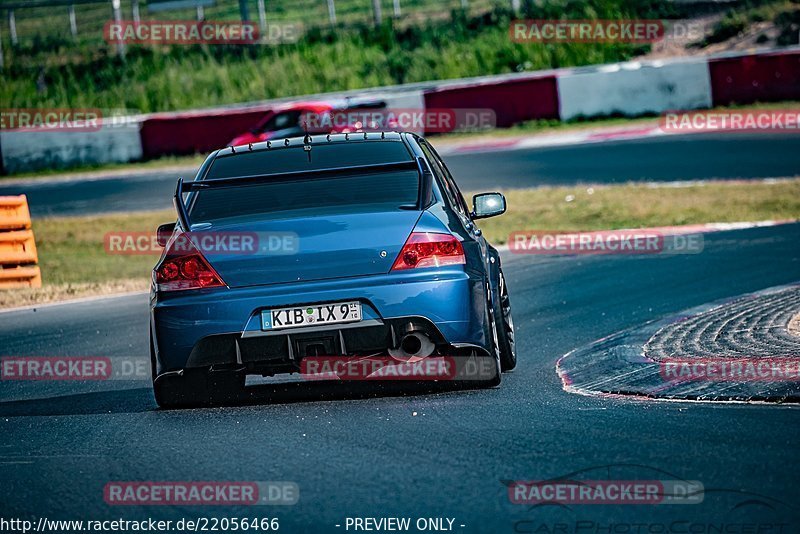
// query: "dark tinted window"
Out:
[281,121]
[295,159]
[385,191]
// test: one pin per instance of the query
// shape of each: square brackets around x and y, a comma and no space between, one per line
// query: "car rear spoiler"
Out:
[197,185]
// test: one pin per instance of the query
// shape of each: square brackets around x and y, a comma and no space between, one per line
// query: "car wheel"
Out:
[197,387]
[495,348]
[178,390]
[505,327]
[152,358]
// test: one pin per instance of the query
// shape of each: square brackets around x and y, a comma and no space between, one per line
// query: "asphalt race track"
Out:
[440,454]
[686,157]
[62,442]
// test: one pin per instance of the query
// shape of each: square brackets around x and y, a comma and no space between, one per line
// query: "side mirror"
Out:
[164,232]
[488,205]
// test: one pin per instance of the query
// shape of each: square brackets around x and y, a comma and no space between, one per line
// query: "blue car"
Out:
[345,245]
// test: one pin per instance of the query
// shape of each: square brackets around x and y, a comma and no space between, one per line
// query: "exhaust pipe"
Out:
[414,346]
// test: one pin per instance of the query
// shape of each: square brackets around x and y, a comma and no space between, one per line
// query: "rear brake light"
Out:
[425,249]
[184,267]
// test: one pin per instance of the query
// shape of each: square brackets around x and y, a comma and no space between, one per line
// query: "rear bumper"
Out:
[223,326]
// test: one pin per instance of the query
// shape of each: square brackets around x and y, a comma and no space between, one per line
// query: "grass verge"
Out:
[57,72]
[642,206]
[74,262]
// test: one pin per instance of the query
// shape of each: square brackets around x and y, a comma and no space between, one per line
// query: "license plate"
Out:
[313,315]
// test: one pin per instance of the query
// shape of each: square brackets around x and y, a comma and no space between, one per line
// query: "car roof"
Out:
[309,104]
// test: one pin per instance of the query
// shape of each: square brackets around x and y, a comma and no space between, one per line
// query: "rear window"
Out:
[322,157]
[364,193]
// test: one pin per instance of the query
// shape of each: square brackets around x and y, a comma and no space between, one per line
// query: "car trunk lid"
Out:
[308,248]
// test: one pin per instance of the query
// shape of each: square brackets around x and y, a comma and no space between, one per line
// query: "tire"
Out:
[197,387]
[505,326]
[498,369]
[183,390]
[153,364]
[472,369]
[495,348]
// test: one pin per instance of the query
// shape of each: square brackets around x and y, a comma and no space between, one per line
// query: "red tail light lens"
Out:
[425,249]
[185,269]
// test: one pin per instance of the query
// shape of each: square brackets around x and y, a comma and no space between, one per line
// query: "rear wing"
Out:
[198,185]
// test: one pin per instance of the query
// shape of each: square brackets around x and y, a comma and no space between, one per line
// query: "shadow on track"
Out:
[334,390]
[106,402]
[141,400]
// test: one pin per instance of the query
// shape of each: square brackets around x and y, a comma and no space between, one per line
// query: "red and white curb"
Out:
[553,140]
[715,227]
[617,366]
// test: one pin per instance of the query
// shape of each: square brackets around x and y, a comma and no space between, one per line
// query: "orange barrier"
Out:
[18,256]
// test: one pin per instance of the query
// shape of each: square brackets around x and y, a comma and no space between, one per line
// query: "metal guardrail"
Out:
[24,22]
[85,18]
[18,256]
[47,3]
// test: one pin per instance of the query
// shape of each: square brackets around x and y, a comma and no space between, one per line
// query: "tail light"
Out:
[425,249]
[184,267]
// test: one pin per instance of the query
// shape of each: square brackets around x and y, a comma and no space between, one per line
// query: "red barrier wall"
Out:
[763,78]
[191,133]
[744,79]
[513,101]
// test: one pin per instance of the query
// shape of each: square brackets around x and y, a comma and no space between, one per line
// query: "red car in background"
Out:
[291,120]
[281,121]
